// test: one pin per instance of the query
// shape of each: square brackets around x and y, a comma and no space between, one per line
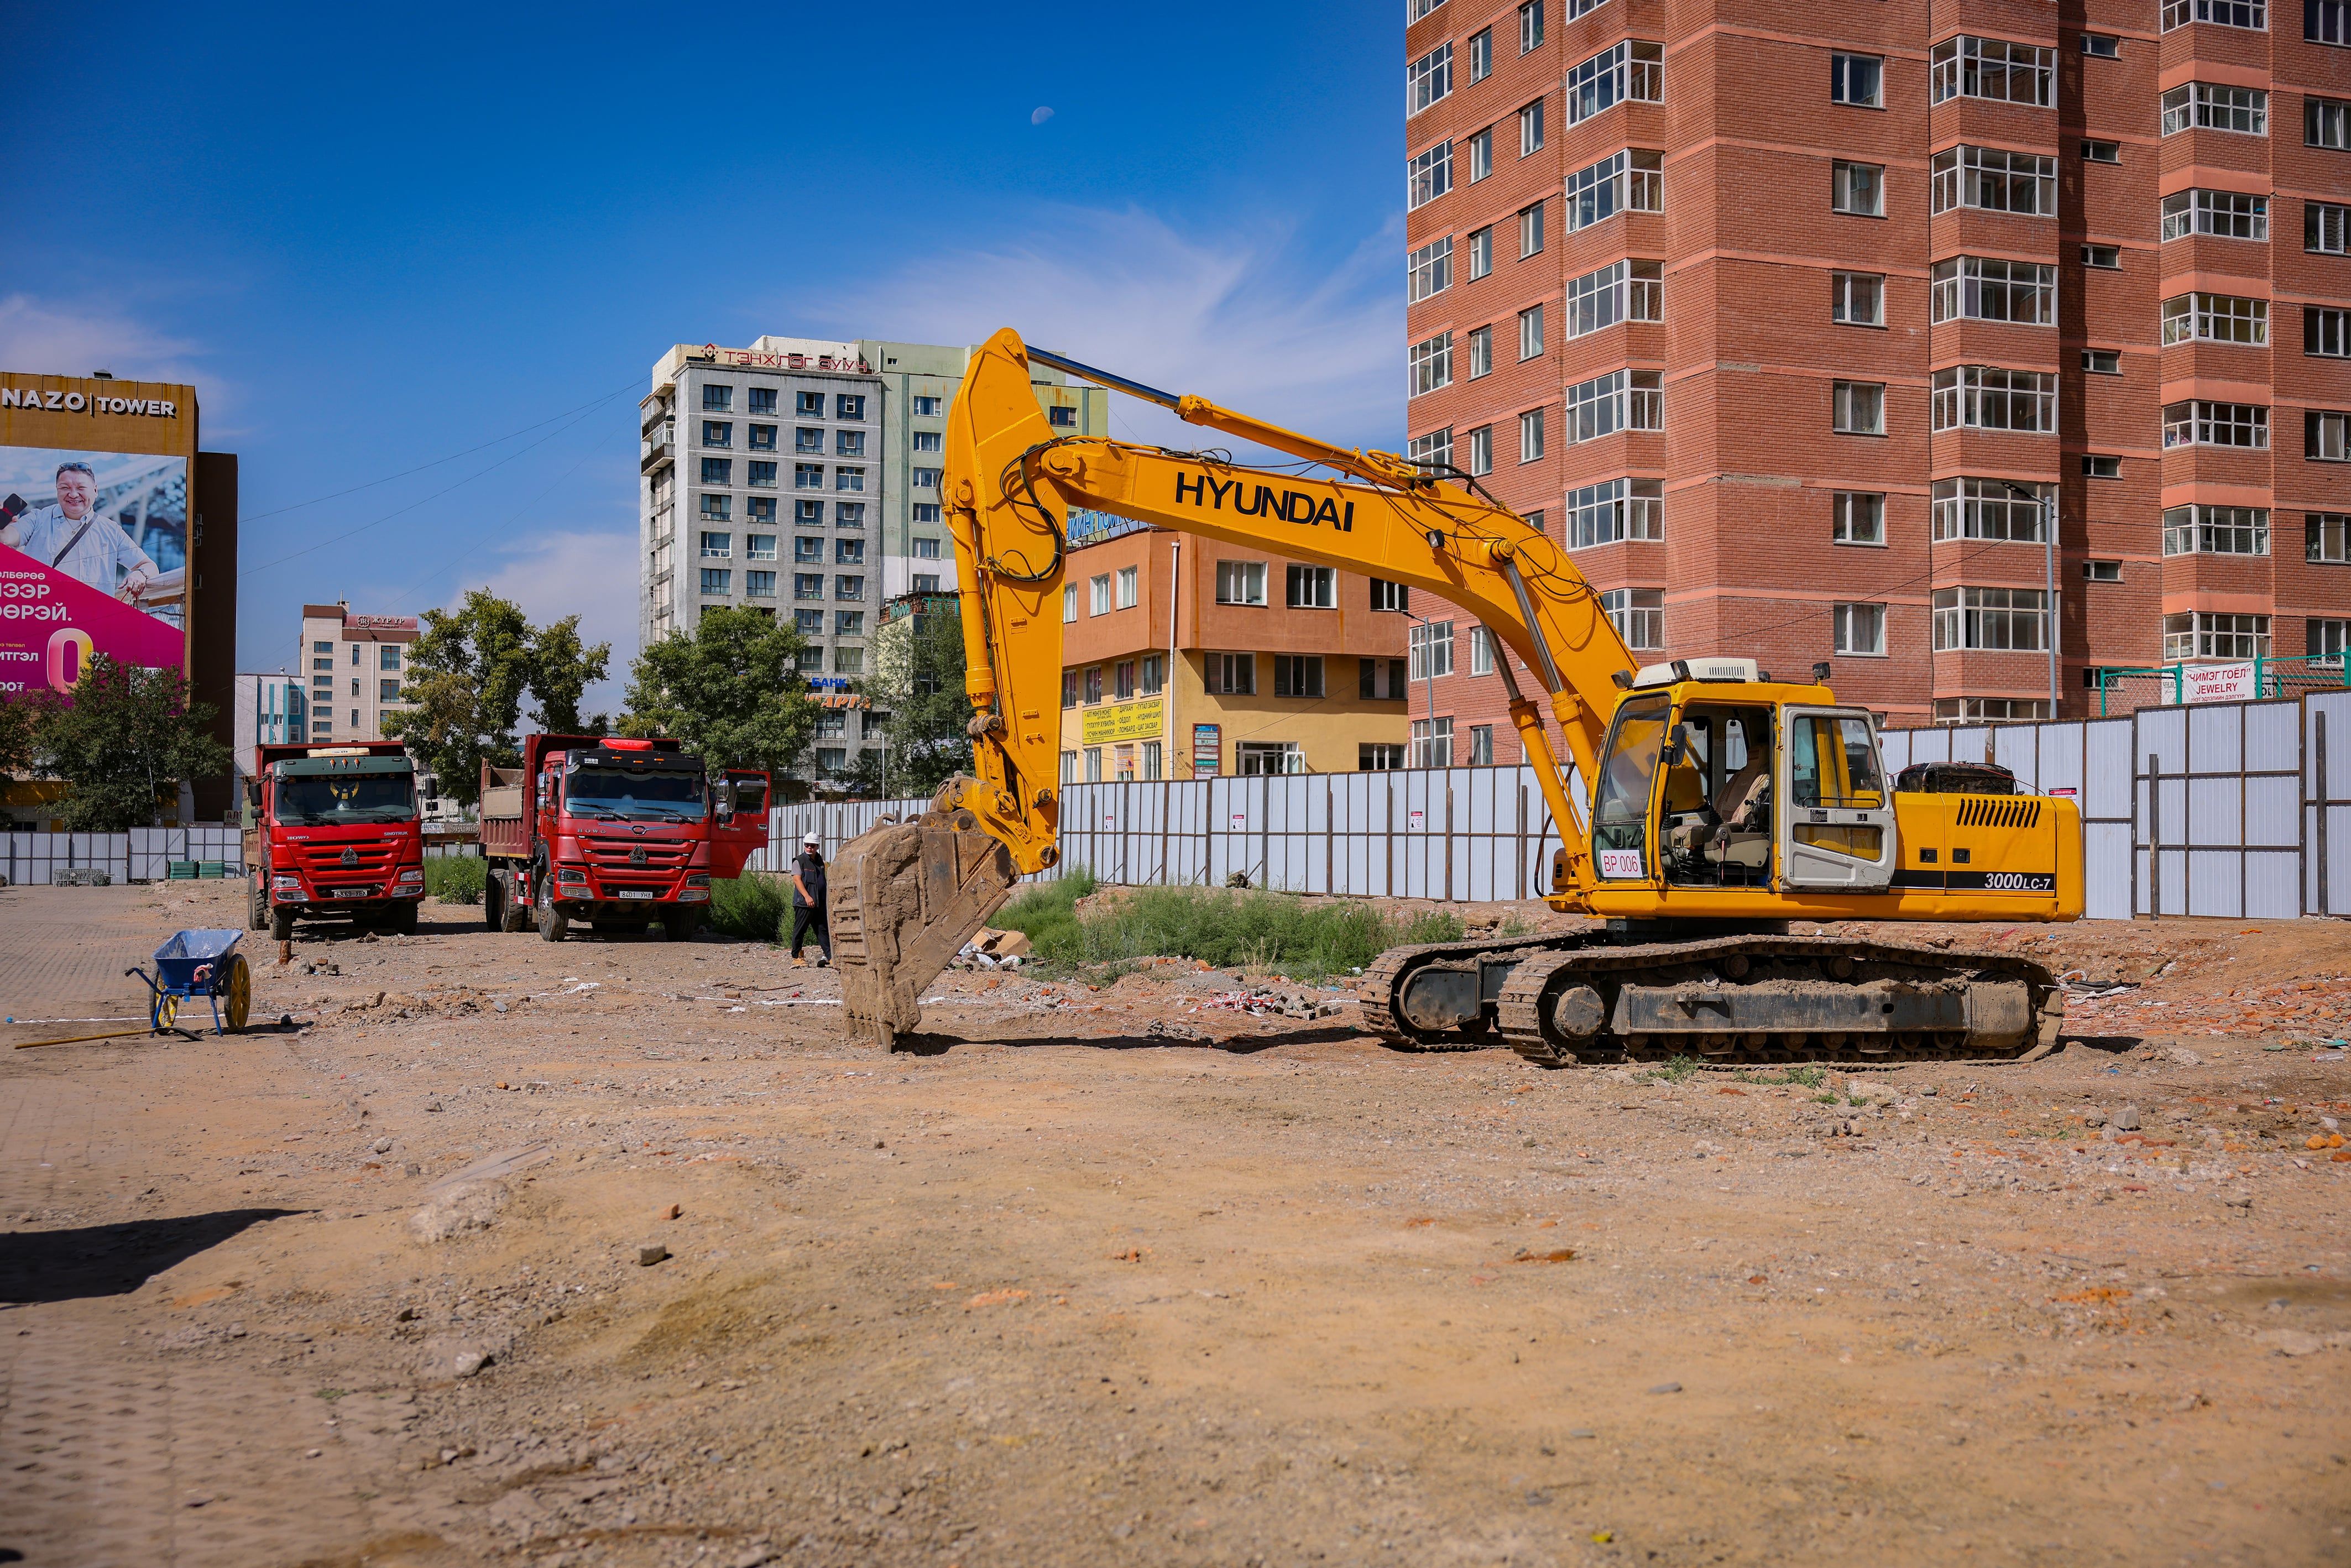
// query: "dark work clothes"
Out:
[805,920]
[811,867]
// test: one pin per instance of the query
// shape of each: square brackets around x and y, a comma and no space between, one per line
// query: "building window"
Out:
[2216,318]
[1384,680]
[849,552]
[926,549]
[806,439]
[1093,764]
[924,513]
[1639,616]
[1255,758]
[1982,710]
[1480,443]
[2102,572]
[809,622]
[2322,642]
[2207,106]
[1433,451]
[760,509]
[853,479]
[1857,299]
[2326,539]
[1232,675]
[1129,587]
[1428,270]
[1069,689]
[1857,188]
[929,440]
[2216,530]
[1632,181]
[1428,79]
[1430,647]
[1098,595]
[1986,288]
[717,433]
[1857,79]
[808,475]
[2101,46]
[808,552]
[1530,435]
[2327,21]
[1614,510]
[717,508]
[759,584]
[1993,180]
[928,407]
[1632,70]
[2102,361]
[1994,69]
[2326,228]
[2216,424]
[2101,465]
[1531,231]
[2095,151]
[1481,651]
[2202,634]
[763,438]
[1988,509]
[808,585]
[388,656]
[2253,14]
[1093,684]
[1481,745]
[1062,416]
[808,404]
[1152,673]
[1857,518]
[1630,290]
[1386,595]
[2327,330]
[718,470]
[1240,582]
[1986,397]
[849,405]
[387,691]
[1530,129]
[718,547]
[1312,588]
[1298,675]
[1482,352]
[1988,618]
[759,400]
[1621,400]
[2105,256]
[1481,155]
[1481,252]
[2326,436]
[1531,22]
[1432,742]
[759,476]
[1431,363]
[716,397]
[850,588]
[717,580]
[808,514]
[1428,176]
[1481,54]
[1858,630]
[1858,408]
[1531,332]
[1151,762]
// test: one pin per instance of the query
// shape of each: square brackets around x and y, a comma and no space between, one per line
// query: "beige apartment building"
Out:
[355,664]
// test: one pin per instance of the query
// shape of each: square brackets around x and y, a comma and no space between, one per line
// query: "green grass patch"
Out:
[1675,1070]
[455,879]
[1805,1077]
[1255,930]
[754,907]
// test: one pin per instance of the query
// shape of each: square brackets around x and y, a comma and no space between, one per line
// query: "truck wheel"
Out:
[678,925]
[281,923]
[553,925]
[494,902]
[257,905]
[403,919]
[513,919]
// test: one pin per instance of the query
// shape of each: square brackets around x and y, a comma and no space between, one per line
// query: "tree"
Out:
[467,676]
[17,734]
[127,738]
[918,666]
[730,689]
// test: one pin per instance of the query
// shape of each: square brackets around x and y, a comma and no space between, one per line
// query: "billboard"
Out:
[94,527]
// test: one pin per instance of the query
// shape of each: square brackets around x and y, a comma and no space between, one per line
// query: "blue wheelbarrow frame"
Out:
[199,964]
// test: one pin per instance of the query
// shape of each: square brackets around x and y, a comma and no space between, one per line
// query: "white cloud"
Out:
[1240,317]
[551,575]
[46,339]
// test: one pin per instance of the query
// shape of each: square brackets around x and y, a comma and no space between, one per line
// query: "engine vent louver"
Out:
[1989,811]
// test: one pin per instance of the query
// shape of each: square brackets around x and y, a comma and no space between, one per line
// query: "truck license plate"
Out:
[633,891]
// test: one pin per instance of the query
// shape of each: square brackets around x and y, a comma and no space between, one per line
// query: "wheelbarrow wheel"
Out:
[237,993]
[164,1011]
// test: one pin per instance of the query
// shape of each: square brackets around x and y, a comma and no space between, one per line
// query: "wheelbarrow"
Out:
[199,964]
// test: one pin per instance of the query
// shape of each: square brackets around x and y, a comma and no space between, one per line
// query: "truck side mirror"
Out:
[723,796]
[546,790]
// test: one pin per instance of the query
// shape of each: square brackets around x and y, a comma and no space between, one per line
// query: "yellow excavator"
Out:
[1724,803]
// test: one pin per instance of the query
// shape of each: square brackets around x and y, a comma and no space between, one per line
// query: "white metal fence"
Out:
[2254,816]
[142,854]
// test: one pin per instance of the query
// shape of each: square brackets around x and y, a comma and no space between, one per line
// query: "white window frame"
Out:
[1428,646]
[1429,271]
[1240,582]
[1993,397]
[1857,299]
[1993,620]
[1530,435]
[1628,290]
[1430,363]
[2216,106]
[1630,71]
[1530,129]
[1992,289]
[1614,511]
[1856,81]
[1235,675]
[1631,180]
[1857,631]
[1638,615]
[2223,214]
[1480,443]
[1310,587]
[1482,352]
[2251,15]
[2202,318]
[1993,68]
[1531,332]
[1129,587]
[2207,423]
[2326,539]
[1857,190]
[2203,529]
[1857,518]
[2214,634]
[1992,180]
[1428,81]
[1428,175]
[2326,228]
[1976,508]
[1858,408]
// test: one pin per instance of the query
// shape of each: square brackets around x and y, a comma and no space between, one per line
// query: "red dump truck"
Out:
[335,836]
[621,833]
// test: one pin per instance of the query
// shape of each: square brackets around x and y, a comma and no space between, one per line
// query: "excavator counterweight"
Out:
[1723,804]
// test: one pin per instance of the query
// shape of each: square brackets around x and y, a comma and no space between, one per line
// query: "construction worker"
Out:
[808,900]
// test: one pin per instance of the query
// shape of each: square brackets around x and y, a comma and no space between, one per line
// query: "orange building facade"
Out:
[1788,319]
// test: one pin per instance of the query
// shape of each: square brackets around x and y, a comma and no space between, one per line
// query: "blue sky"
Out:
[376,238]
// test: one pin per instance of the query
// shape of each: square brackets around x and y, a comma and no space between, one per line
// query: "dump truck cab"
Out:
[335,836]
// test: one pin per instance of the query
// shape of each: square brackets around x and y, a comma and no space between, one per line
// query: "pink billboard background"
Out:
[93,560]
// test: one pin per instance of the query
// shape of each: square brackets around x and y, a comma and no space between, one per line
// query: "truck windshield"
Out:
[621,792]
[339,799]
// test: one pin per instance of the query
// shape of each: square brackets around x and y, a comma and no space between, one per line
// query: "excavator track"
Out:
[1746,1001]
[1379,992]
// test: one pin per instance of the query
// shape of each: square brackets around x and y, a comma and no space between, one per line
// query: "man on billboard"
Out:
[73,537]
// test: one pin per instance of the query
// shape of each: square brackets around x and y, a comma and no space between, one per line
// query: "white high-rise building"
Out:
[798,476]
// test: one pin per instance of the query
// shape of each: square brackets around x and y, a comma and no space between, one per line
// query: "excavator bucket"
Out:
[907,896]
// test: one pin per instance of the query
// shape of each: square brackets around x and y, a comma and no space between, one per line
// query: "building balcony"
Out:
[658,449]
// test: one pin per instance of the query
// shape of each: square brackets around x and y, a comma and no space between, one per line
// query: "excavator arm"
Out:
[909,894]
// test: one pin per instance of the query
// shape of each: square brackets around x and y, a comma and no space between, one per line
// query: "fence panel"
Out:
[2326,802]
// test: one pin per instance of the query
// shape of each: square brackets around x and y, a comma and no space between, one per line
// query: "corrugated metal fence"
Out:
[142,854]
[2254,816]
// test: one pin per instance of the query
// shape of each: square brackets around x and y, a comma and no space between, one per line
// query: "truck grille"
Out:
[635,861]
[325,862]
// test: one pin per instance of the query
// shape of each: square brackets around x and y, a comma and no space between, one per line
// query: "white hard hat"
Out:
[811,839]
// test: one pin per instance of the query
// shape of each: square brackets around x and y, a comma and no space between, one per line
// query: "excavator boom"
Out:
[908,894]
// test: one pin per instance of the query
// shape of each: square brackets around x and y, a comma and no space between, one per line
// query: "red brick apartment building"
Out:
[1785,317]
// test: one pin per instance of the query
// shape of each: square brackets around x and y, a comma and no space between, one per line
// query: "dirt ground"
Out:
[1146,1275]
